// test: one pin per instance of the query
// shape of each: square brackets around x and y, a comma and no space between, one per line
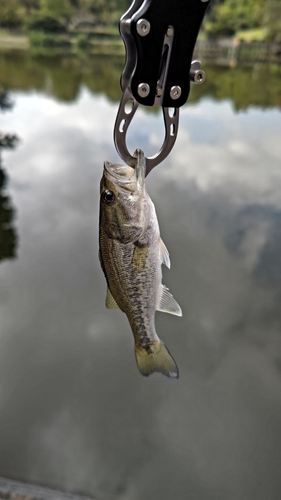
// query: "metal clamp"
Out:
[159,40]
[128,107]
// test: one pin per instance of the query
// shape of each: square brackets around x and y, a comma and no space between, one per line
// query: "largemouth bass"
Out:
[131,254]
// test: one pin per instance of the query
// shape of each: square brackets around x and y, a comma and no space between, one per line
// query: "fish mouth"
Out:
[119,173]
[124,175]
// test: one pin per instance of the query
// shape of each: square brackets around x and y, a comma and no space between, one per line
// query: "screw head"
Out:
[199,77]
[175,92]
[143,89]
[143,27]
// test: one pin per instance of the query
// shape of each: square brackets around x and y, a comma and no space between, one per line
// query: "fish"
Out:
[131,253]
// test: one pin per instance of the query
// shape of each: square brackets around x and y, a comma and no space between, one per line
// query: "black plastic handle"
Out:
[144,52]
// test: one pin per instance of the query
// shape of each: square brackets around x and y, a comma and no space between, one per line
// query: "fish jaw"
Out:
[127,178]
[122,177]
[124,203]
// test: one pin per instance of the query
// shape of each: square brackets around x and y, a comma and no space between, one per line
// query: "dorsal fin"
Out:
[167,303]
[164,254]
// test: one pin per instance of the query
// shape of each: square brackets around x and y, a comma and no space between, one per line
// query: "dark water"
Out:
[74,411]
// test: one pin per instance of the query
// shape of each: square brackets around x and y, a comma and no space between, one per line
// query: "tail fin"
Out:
[159,360]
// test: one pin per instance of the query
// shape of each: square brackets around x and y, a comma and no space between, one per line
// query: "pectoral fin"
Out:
[110,302]
[167,302]
[164,253]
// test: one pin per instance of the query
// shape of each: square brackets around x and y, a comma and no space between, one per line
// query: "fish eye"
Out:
[108,197]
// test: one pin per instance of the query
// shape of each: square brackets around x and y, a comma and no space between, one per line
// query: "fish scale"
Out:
[131,255]
[134,290]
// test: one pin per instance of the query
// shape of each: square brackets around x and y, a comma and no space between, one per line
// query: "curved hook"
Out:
[124,117]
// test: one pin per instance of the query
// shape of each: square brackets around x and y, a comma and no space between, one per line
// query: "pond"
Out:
[75,412]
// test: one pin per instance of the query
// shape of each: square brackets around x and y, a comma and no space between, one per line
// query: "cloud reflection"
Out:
[75,412]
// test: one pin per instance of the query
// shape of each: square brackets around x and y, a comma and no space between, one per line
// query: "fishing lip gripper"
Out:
[159,38]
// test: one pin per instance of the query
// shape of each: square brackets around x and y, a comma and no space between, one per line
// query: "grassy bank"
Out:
[97,41]
[105,40]
[12,40]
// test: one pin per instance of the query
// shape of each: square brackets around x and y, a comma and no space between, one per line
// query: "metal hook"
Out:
[123,120]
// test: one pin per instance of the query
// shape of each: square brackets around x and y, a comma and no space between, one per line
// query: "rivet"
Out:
[175,92]
[143,89]
[143,27]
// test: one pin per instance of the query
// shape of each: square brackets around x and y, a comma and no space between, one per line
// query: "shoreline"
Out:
[228,51]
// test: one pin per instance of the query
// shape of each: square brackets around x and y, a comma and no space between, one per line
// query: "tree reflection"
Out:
[244,85]
[63,77]
[8,239]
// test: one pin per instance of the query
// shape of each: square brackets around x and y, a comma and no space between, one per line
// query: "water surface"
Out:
[74,411]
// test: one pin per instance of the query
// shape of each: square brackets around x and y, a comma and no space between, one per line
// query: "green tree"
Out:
[229,16]
[104,9]
[29,5]
[272,19]
[59,9]
[10,15]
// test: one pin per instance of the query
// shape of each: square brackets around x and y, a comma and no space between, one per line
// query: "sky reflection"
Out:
[75,412]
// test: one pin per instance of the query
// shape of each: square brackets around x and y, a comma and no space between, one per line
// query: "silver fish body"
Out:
[131,255]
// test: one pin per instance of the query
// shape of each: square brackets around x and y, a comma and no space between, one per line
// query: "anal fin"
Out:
[167,303]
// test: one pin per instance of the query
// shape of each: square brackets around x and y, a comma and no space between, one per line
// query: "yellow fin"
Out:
[110,302]
[159,360]
[139,258]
